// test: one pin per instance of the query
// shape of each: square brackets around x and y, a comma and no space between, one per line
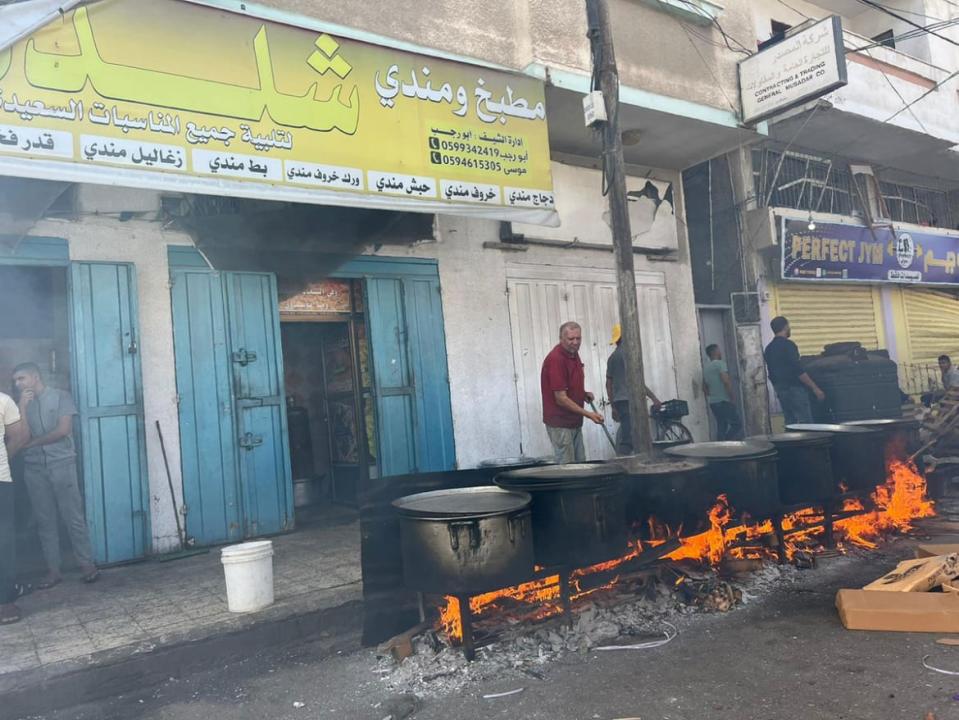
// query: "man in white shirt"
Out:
[13,436]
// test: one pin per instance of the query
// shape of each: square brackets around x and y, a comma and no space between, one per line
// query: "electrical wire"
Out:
[798,12]
[882,8]
[908,35]
[926,94]
[917,30]
[727,38]
[732,105]
[905,103]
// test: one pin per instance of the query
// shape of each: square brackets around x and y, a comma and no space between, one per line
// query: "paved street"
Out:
[140,608]
[786,656]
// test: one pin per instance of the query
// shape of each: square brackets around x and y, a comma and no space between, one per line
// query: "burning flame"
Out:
[899,501]
[544,592]
[710,544]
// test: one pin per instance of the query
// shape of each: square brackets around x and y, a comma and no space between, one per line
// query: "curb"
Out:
[64,685]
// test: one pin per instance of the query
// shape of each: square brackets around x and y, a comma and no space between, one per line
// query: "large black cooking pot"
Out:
[744,471]
[675,492]
[804,466]
[900,435]
[465,541]
[578,513]
[858,454]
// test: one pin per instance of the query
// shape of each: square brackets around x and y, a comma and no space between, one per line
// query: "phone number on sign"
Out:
[438,158]
[464,147]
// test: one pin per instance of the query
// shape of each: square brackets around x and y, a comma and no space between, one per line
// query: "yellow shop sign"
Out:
[172,95]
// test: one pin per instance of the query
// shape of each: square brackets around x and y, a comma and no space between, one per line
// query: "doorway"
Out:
[34,327]
[330,407]
[716,327]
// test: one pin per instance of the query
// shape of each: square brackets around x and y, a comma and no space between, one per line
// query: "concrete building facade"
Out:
[503,287]
[878,155]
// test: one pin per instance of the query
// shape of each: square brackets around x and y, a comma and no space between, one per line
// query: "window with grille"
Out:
[802,182]
[920,206]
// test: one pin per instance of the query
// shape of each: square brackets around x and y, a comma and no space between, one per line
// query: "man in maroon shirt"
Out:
[564,396]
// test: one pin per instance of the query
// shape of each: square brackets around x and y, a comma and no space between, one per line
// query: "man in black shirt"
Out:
[789,379]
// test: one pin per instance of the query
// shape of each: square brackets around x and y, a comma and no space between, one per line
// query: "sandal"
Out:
[92,576]
[49,581]
[22,589]
[9,614]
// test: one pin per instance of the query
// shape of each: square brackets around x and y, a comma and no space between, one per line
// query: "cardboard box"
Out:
[898,612]
[921,575]
[924,551]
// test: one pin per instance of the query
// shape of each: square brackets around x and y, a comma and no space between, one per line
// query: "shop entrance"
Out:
[34,327]
[78,323]
[343,377]
[329,395]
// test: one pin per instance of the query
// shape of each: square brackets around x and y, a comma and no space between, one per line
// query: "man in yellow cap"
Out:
[616,391]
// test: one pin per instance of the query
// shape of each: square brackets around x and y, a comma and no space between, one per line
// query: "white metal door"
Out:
[541,298]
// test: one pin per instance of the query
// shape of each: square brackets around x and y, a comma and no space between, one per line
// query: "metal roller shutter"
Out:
[932,320]
[824,314]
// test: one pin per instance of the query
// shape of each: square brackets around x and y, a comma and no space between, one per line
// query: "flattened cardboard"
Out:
[898,612]
[921,575]
[924,551]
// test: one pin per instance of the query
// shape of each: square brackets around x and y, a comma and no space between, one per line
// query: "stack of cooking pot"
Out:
[858,457]
[745,471]
[577,512]
[465,541]
[804,466]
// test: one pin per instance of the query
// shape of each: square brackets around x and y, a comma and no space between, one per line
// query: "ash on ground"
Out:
[625,616]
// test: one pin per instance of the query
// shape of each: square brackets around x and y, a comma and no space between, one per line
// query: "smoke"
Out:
[299,243]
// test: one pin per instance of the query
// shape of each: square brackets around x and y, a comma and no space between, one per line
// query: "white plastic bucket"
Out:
[248,568]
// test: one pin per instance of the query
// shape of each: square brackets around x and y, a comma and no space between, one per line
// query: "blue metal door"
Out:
[435,450]
[233,434]
[204,392]
[414,419]
[253,321]
[110,401]
[392,376]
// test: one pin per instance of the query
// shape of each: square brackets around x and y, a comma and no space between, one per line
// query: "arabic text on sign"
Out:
[71,73]
[238,165]
[525,197]
[486,108]
[332,176]
[36,141]
[132,153]
[398,184]
[458,191]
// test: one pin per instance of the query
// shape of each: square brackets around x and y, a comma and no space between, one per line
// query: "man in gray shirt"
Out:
[50,472]
[616,391]
[719,392]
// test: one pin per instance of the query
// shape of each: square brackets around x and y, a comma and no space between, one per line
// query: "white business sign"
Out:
[804,66]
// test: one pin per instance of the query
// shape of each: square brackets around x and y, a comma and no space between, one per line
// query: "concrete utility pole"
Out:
[604,67]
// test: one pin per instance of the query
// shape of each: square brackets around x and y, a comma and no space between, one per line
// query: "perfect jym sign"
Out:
[804,66]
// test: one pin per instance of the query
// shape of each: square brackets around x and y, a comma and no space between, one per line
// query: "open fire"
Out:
[896,504]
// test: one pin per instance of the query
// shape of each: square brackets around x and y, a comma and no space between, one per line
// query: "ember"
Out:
[899,501]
